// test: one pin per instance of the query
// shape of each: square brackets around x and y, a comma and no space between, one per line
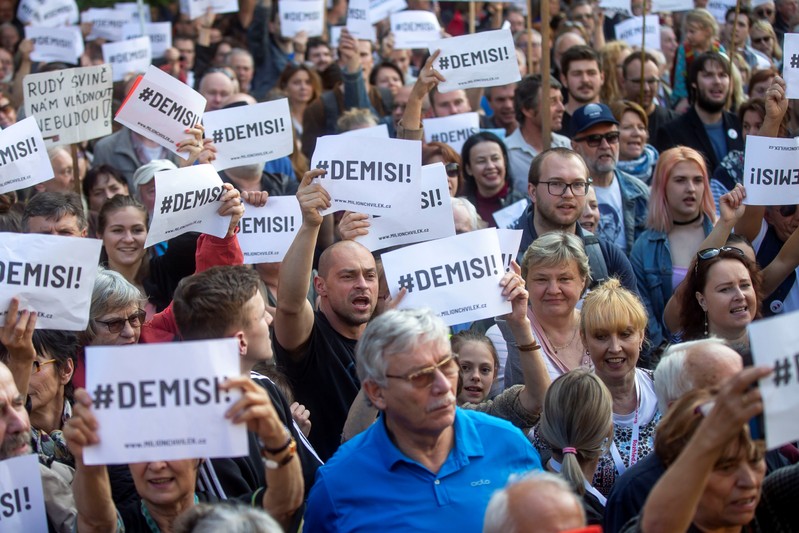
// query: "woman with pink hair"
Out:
[681,214]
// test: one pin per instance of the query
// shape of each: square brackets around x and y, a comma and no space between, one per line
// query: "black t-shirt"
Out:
[325,381]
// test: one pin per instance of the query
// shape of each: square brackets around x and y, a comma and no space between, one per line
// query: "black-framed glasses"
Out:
[118,324]
[710,253]
[452,169]
[423,378]
[595,139]
[764,39]
[558,188]
[37,366]
[787,210]
[764,12]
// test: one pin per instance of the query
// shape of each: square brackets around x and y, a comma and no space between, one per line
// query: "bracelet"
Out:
[529,347]
[271,464]
[275,451]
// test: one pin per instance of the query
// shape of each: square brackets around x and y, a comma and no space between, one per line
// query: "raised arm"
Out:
[17,336]
[410,125]
[294,316]
[787,261]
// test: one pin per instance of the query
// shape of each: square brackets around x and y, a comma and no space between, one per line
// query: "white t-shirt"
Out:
[611,214]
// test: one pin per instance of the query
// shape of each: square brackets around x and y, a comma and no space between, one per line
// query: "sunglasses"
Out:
[425,377]
[758,40]
[452,170]
[710,253]
[596,139]
[116,325]
[764,12]
[37,366]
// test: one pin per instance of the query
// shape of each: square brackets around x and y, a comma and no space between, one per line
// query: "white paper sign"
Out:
[51,275]
[301,15]
[48,13]
[509,242]
[790,67]
[484,59]
[265,233]
[359,23]
[197,8]
[507,216]
[249,134]
[131,56]
[452,130]
[380,131]
[161,402]
[335,35]
[187,199]
[432,219]
[160,34]
[771,171]
[616,5]
[380,9]
[631,30]
[72,105]
[773,341]
[458,277]
[132,10]
[23,156]
[373,176]
[414,29]
[21,495]
[106,23]
[160,107]
[666,6]
[719,8]
[55,44]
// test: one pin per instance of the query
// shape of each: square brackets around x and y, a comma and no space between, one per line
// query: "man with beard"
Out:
[528,140]
[657,115]
[316,349]
[706,126]
[623,199]
[581,74]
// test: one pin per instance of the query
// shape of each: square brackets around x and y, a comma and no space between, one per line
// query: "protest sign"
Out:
[458,277]
[484,59]
[106,23]
[250,134]
[359,23]
[373,176]
[666,6]
[771,171]
[774,341]
[380,131]
[55,44]
[23,157]
[189,199]
[380,9]
[155,403]
[21,495]
[630,31]
[335,35]
[48,13]
[265,233]
[160,34]
[431,220]
[71,105]
[452,130]
[301,15]
[160,108]
[132,10]
[790,67]
[51,275]
[507,216]
[414,29]
[622,6]
[509,242]
[131,56]
[197,8]
[719,8]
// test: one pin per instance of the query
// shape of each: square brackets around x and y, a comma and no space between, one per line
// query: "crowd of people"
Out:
[617,393]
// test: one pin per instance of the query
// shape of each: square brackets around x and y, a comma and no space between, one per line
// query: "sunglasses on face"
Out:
[116,325]
[758,40]
[596,139]
[452,170]
[764,12]
[424,378]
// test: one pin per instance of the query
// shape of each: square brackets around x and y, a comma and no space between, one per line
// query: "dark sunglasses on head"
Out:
[596,139]
[452,170]
[710,253]
[787,210]
[758,40]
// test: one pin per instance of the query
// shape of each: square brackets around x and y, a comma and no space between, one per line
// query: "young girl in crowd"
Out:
[700,35]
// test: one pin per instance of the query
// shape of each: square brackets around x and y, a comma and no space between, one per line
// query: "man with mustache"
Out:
[581,74]
[424,464]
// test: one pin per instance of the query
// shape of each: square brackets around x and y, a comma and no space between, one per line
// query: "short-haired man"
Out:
[623,199]
[55,213]
[216,86]
[565,42]
[657,115]
[185,45]
[243,65]
[581,74]
[422,443]
[741,18]
[448,104]
[706,126]
[527,141]
[500,100]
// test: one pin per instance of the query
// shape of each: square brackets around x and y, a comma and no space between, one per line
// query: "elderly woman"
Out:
[681,215]
[577,424]
[636,156]
[555,269]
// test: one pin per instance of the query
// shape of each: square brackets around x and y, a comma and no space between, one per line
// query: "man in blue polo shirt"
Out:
[425,465]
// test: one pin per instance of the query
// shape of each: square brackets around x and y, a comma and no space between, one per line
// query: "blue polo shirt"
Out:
[370,485]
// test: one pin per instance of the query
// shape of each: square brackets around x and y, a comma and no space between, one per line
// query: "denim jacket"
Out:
[651,260]
[635,203]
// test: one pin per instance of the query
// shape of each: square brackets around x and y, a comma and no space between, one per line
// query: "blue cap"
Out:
[590,115]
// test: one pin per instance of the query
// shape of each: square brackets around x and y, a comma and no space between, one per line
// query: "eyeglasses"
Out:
[422,379]
[787,210]
[764,39]
[558,188]
[710,253]
[612,137]
[764,12]
[452,170]
[118,324]
[37,366]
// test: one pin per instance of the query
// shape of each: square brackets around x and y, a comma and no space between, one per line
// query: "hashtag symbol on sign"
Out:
[443,63]
[782,372]
[795,61]
[406,282]
[166,205]
[324,165]
[217,135]
[145,94]
[103,396]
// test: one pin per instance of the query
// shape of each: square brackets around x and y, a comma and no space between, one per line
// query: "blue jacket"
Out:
[651,260]
[635,203]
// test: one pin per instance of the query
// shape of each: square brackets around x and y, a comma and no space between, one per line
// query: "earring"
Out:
[706,333]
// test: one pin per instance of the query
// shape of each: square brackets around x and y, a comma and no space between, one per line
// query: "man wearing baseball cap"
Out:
[622,198]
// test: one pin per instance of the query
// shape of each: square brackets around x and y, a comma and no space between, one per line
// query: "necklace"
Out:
[687,222]
[556,347]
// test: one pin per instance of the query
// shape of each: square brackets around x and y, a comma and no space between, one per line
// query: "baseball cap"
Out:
[145,173]
[590,115]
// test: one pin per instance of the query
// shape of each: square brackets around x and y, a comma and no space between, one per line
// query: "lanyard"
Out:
[634,441]
[554,465]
